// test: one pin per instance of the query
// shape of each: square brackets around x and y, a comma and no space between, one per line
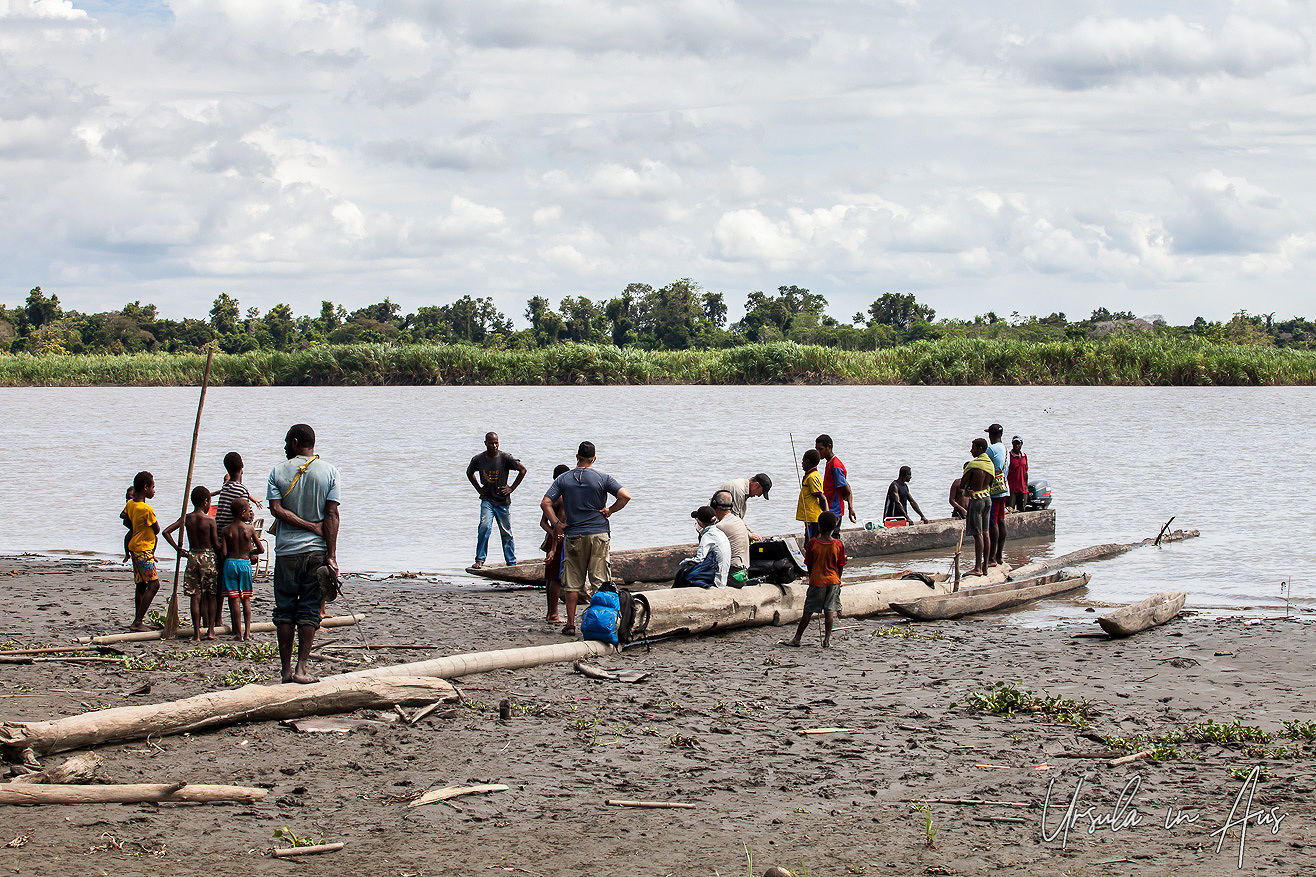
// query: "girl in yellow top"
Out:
[812,502]
[140,520]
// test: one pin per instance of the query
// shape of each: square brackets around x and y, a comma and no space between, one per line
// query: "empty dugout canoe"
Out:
[1137,617]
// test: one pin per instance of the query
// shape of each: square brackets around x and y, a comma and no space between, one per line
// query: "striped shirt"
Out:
[224,505]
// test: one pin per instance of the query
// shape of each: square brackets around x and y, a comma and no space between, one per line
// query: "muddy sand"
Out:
[720,723]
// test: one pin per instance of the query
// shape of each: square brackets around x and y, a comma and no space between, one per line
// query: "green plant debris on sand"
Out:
[292,839]
[1007,699]
[906,631]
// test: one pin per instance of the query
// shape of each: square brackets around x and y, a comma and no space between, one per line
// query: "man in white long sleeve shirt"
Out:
[713,554]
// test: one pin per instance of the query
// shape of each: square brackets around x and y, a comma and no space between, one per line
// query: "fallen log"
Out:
[454,666]
[1152,612]
[128,793]
[78,769]
[1096,552]
[185,631]
[317,849]
[251,703]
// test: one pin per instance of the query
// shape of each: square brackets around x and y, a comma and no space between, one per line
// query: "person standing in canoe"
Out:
[1017,476]
[1000,492]
[976,485]
[898,501]
[836,482]
[584,492]
[494,467]
[741,489]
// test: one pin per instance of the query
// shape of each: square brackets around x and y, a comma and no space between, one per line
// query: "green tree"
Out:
[899,310]
[224,315]
[41,309]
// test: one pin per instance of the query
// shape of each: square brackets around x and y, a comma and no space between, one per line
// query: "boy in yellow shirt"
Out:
[143,528]
[812,502]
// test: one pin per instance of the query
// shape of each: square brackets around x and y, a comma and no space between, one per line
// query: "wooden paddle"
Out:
[171,619]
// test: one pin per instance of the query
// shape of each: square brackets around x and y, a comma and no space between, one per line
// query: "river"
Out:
[1121,461]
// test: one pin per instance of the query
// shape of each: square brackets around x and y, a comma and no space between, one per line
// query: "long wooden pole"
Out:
[171,619]
[127,793]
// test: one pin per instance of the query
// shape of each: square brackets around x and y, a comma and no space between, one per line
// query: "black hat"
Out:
[704,515]
[994,429]
[765,481]
[586,451]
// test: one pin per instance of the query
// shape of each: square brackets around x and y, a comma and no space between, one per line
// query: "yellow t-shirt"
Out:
[809,506]
[142,518]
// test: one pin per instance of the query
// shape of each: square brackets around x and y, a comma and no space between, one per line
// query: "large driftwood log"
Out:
[251,703]
[80,769]
[1095,552]
[185,631]
[128,793]
[453,666]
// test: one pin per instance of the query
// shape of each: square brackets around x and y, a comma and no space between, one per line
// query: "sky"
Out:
[1018,156]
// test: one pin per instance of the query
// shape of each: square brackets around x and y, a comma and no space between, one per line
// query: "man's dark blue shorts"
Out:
[296,589]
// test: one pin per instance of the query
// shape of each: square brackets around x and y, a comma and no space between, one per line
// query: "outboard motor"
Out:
[1039,494]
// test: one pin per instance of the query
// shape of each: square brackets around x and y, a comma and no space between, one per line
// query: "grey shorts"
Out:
[296,589]
[823,599]
[978,522]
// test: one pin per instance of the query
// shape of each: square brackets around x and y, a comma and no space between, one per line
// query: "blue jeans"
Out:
[490,512]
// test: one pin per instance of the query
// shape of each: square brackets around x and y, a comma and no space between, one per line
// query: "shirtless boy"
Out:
[238,546]
[201,579]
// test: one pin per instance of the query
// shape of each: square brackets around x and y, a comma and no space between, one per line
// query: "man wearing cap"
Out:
[734,528]
[1000,492]
[711,564]
[1017,477]
[584,492]
[741,489]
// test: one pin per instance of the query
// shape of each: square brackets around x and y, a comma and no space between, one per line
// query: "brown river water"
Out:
[1120,461]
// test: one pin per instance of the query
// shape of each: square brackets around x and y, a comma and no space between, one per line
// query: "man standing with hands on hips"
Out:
[494,467]
[584,492]
[303,496]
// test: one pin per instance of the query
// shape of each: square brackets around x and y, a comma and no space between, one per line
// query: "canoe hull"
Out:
[988,598]
[659,564]
[1143,615]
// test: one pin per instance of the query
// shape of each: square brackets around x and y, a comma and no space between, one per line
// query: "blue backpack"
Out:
[602,620]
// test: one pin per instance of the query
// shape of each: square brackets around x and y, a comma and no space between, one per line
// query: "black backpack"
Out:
[632,605]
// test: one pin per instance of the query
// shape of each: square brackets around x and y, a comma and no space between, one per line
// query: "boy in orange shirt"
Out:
[142,530]
[826,558]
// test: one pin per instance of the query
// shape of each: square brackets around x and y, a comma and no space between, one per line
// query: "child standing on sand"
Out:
[812,500]
[201,579]
[142,530]
[826,558]
[238,546]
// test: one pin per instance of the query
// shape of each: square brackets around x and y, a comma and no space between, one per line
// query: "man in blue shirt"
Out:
[584,492]
[1000,492]
[303,496]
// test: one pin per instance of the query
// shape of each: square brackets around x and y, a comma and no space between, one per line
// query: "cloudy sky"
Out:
[1018,156]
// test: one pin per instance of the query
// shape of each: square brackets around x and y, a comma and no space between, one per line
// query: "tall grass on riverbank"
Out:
[1125,360]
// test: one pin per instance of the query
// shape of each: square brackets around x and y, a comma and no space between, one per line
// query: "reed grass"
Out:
[1126,361]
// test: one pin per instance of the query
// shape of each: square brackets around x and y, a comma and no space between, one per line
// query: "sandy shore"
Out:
[719,723]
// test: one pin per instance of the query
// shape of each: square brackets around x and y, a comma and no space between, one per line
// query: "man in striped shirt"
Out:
[233,489]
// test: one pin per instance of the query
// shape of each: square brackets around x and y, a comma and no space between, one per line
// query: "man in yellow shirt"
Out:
[812,502]
[140,520]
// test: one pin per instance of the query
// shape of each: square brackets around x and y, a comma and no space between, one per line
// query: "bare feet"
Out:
[553,619]
[793,643]
[302,679]
[286,677]
[139,628]
[974,572]
[196,637]
[210,634]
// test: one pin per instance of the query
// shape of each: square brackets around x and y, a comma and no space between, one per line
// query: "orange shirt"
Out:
[826,558]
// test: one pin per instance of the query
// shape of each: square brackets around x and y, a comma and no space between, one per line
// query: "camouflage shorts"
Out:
[201,576]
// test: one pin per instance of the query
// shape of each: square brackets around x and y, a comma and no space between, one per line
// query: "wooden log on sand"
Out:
[80,769]
[1145,614]
[128,793]
[454,666]
[251,703]
[186,631]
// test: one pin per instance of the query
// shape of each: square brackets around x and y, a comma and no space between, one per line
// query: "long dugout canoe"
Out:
[659,564]
[987,598]
[1143,615]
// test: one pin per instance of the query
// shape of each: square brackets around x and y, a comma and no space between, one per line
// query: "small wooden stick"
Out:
[651,805]
[455,791]
[999,819]
[826,730]
[1161,534]
[971,802]
[1134,757]
[306,851]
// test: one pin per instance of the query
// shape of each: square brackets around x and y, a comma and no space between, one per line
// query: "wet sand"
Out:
[719,723]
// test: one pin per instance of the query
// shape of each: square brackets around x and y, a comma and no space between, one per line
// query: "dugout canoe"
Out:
[659,564]
[986,598]
[1145,614]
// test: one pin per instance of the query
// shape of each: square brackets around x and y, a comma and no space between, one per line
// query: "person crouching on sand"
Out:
[143,528]
[826,558]
[239,547]
[201,578]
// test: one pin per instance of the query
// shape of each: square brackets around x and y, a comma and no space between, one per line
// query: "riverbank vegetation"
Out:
[675,334]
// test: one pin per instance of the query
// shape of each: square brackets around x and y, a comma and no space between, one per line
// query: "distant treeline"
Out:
[680,316]
[1140,359]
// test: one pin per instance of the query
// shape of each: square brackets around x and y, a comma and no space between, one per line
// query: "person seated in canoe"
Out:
[712,561]
[737,534]
[976,485]
[741,489]
[898,500]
